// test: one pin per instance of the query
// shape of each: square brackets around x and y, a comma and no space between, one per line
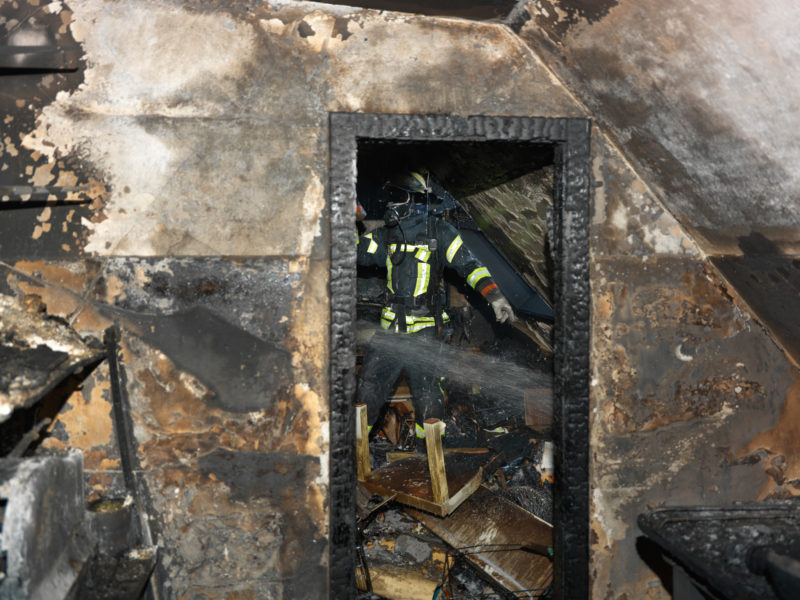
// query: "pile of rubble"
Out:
[492,538]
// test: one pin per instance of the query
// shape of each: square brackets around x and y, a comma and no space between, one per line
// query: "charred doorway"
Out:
[446,144]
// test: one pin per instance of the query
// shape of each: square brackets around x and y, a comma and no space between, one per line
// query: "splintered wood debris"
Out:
[510,545]
[498,533]
[410,480]
[37,352]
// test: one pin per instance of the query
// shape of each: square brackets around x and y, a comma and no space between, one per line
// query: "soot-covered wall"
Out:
[198,134]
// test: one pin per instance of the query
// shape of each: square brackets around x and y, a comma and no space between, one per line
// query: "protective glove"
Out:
[502,310]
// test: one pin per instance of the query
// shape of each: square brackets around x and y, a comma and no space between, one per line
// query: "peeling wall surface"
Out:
[190,153]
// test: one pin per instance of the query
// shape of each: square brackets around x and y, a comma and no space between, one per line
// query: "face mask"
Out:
[397,208]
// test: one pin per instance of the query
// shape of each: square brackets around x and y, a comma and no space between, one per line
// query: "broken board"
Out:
[409,479]
[404,567]
[492,532]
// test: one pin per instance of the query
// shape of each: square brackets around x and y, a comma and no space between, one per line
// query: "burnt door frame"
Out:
[570,138]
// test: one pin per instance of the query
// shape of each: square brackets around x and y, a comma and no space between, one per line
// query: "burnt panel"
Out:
[243,372]
[36,353]
[252,475]
[660,323]
[281,478]
[694,403]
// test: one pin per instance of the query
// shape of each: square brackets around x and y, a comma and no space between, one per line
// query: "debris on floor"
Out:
[497,542]
[403,560]
[409,480]
[508,544]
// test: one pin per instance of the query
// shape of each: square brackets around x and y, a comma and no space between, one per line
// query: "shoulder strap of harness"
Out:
[434,298]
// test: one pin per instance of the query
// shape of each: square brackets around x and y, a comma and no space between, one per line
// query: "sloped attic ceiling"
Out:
[704,98]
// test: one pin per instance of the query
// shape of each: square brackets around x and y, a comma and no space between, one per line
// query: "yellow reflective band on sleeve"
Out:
[423,278]
[373,245]
[423,253]
[477,275]
[454,246]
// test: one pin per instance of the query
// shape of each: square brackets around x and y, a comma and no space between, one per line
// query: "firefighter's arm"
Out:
[372,249]
[458,256]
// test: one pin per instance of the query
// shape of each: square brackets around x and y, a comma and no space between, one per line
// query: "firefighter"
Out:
[415,246]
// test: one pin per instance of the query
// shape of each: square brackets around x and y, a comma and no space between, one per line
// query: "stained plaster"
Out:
[683,372]
[682,379]
[701,101]
[700,98]
[217,111]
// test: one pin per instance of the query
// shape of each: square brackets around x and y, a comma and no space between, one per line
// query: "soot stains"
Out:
[340,28]
[244,372]
[558,16]
[282,478]
[305,30]
[275,476]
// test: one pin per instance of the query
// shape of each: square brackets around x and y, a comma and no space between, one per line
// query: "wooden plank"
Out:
[410,480]
[433,442]
[396,583]
[492,531]
[362,443]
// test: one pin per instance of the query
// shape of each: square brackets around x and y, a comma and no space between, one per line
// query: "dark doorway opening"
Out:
[468,153]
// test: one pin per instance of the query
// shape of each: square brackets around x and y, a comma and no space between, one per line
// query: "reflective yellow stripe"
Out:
[420,431]
[421,250]
[454,246]
[413,323]
[477,275]
[423,254]
[389,266]
[373,245]
[423,277]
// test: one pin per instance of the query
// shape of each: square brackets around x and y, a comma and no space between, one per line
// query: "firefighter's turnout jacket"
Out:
[415,255]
